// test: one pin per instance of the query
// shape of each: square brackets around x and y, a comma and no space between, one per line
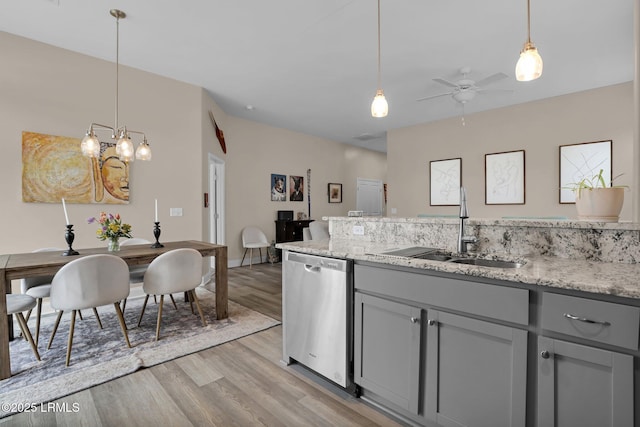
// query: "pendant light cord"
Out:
[529,21]
[379,79]
[117,65]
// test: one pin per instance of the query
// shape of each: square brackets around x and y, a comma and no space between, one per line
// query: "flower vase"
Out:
[114,245]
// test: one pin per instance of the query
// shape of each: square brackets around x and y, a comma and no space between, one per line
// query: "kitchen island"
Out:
[554,342]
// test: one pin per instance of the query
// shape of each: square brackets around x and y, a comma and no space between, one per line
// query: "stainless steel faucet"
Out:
[463,240]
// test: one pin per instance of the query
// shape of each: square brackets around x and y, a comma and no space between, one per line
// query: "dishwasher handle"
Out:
[311,268]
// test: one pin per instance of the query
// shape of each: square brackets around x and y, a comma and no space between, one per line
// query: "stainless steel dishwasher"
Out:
[317,315]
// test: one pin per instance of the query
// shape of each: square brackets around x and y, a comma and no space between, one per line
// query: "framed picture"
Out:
[584,160]
[504,178]
[335,193]
[278,188]
[296,185]
[445,179]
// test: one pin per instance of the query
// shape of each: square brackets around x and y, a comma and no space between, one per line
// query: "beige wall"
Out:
[255,151]
[54,91]
[536,127]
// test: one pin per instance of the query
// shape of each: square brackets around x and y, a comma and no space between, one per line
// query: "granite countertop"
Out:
[617,279]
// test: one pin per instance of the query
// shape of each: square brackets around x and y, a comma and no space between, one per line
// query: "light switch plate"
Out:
[175,212]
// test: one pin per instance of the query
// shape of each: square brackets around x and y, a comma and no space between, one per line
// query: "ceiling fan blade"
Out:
[445,82]
[434,96]
[491,79]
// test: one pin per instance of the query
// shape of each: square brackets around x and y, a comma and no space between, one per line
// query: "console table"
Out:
[290,231]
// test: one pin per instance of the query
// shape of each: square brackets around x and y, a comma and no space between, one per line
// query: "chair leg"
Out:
[39,313]
[250,257]
[28,316]
[143,307]
[195,299]
[173,301]
[155,301]
[123,325]
[260,249]
[80,314]
[190,301]
[124,305]
[159,317]
[95,311]
[70,342]
[55,328]
[243,255]
[27,333]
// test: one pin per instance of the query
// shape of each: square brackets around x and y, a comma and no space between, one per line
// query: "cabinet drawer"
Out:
[600,321]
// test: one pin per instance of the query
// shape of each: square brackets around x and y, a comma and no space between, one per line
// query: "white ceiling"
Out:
[310,65]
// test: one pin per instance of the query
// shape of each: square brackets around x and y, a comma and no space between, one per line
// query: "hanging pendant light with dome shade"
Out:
[379,106]
[529,66]
[90,145]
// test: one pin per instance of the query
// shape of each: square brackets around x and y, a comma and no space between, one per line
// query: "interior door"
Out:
[369,195]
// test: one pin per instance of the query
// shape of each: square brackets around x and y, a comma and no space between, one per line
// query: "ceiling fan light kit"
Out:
[529,66]
[90,145]
[379,106]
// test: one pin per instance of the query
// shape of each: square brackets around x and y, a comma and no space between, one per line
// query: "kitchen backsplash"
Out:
[607,242]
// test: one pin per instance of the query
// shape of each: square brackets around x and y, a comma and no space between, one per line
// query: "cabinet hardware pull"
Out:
[584,319]
[415,319]
[431,322]
[544,354]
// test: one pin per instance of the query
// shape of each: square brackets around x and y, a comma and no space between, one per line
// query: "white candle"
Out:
[156,210]
[64,206]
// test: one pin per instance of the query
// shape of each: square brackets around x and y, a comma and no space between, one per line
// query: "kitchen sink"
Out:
[435,254]
[488,262]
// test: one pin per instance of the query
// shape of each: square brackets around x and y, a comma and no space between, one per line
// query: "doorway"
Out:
[216,202]
[369,196]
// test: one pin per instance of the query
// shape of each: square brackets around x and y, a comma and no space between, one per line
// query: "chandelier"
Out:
[90,145]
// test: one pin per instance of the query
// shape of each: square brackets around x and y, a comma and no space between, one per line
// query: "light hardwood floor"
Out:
[240,383]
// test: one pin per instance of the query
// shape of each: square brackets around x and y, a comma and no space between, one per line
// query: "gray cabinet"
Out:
[476,372]
[387,349]
[583,386]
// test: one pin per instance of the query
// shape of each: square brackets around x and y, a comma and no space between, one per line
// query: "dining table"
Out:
[33,264]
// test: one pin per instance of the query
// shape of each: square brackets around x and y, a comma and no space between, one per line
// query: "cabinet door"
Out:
[476,372]
[583,386]
[387,349]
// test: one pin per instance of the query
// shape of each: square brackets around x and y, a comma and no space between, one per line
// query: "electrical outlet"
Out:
[358,230]
[175,212]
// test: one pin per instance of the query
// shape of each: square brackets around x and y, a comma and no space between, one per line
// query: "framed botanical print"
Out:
[335,192]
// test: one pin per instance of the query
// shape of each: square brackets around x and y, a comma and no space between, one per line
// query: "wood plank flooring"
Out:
[240,383]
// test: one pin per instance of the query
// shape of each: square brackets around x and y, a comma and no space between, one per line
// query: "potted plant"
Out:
[597,201]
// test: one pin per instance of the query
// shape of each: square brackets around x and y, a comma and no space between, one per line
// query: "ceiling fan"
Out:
[465,89]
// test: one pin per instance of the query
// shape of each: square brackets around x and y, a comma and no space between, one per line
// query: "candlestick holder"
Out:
[156,233]
[69,236]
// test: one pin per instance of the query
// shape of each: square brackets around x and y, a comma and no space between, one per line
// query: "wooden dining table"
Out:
[33,264]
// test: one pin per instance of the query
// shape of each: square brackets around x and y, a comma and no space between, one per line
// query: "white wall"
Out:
[539,128]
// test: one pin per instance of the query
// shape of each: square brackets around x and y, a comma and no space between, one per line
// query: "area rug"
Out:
[99,355]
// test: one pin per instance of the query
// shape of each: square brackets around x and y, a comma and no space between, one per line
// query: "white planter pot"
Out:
[600,204]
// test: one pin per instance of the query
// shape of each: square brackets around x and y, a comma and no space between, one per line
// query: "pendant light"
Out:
[529,66]
[379,106]
[90,145]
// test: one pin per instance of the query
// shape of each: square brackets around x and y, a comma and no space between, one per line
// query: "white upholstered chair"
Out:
[16,304]
[179,270]
[38,288]
[319,230]
[253,238]
[89,282]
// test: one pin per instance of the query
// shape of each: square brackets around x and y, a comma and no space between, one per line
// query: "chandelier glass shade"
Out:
[90,145]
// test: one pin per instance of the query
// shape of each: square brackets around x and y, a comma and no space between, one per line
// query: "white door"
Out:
[216,201]
[369,195]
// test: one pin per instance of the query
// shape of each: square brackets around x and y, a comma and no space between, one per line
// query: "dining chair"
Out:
[17,304]
[39,288]
[136,272]
[179,270]
[89,282]
[253,238]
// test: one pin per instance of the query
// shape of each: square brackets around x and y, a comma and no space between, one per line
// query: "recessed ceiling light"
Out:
[249,107]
